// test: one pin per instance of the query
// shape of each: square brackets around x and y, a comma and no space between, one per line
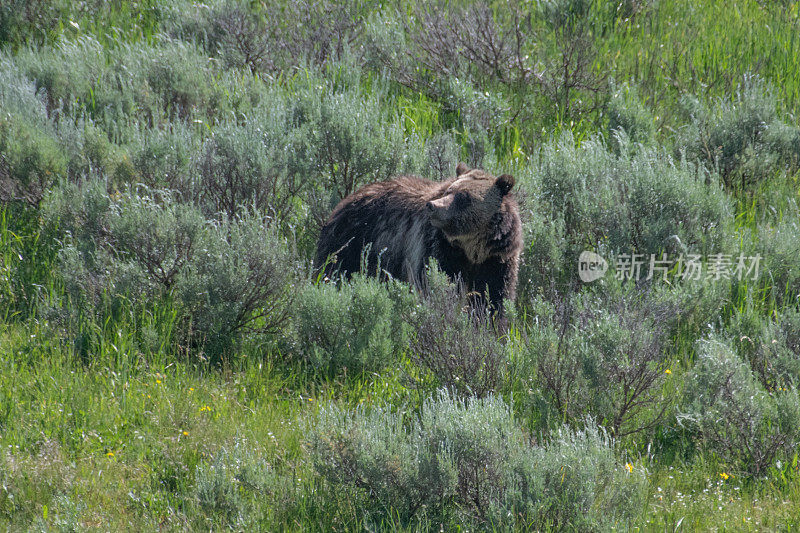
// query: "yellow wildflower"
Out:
[724,476]
[668,371]
[629,466]
[185,433]
[110,454]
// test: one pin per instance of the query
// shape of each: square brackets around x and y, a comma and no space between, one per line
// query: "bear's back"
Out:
[386,220]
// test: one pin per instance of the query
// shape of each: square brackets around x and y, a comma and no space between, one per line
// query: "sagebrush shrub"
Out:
[231,484]
[736,417]
[456,340]
[31,160]
[583,485]
[355,144]
[634,202]
[229,278]
[161,235]
[605,356]
[778,245]
[442,155]
[770,346]
[237,283]
[23,21]
[627,113]
[468,458]
[244,39]
[31,157]
[162,157]
[67,72]
[355,327]
[745,138]
[263,164]
[180,74]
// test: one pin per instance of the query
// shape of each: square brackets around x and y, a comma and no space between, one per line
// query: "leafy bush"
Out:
[355,327]
[162,157]
[68,72]
[20,20]
[233,482]
[237,282]
[160,235]
[749,427]
[229,278]
[626,112]
[355,144]
[744,138]
[31,160]
[569,51]
[772,347]
[606,357]
[468,458]
[455,340]
[180,74]
[778,245]
[442,154]
[262,164]
[632,203]
[464,42]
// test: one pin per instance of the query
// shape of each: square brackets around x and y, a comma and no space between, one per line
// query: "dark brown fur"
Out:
[469,223]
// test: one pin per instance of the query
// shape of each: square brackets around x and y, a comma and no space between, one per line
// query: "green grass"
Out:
[704,48]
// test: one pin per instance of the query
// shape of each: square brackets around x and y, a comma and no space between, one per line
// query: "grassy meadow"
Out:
[170,361]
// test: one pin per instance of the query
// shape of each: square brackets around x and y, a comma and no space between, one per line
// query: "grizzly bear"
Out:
[469,224]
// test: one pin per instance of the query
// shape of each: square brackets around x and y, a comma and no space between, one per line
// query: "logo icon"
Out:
[591,266]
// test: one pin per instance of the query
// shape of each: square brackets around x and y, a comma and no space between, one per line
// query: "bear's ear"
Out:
[462,168]
[505,183]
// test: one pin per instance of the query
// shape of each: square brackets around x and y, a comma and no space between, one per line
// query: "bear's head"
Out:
[475,211]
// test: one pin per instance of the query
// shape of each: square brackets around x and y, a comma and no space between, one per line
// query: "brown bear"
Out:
[469,223]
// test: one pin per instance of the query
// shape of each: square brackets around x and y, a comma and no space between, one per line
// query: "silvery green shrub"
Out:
[455,339]
[442,155]
[635,202]
[353,327]
[605,356]
[67,72]
[162,157]
[230,485]
[237,283]
[467,458]
[32,158]
[265,163]
[627,113]
[770,346]
[778,244]
[744,138]
[355,143]
[749,427]
[632,201]
[229,279]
